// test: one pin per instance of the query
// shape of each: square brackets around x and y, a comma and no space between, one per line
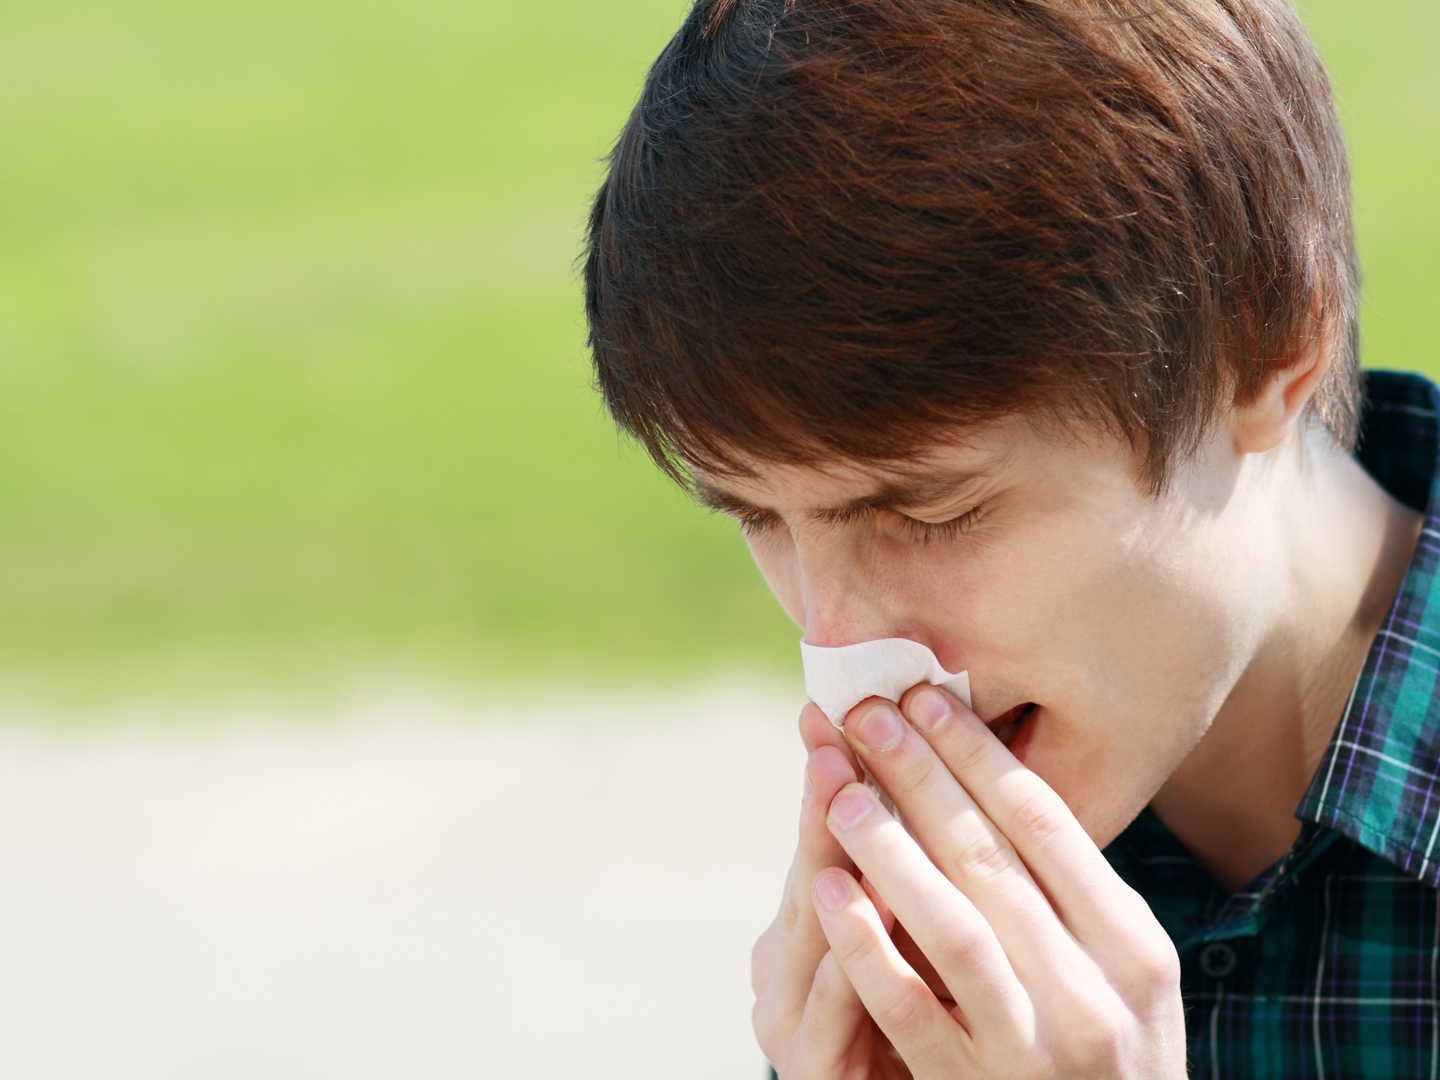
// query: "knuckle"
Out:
[761,956]
[1151,967]
[1040,816]
[1104,1053]
[1156,971]
[966,753]
[853,950]
[790,913]
[828,986]
[767,1030]
[960,949]
[981,855]
[917,775]
[899,1010]
[1094,1044]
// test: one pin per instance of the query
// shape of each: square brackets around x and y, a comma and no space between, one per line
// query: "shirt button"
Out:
[1217,960]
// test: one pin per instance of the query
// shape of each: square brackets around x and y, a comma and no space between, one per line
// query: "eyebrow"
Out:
[905,495]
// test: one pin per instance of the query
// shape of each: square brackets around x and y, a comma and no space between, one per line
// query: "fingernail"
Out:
[928,710]
[849,807]
[881,728]
[832,891]
[809,789]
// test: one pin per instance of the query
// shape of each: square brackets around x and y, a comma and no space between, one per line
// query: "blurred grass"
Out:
[1381,56]
[292,379]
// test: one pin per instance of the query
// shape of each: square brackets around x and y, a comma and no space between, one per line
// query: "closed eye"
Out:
[929,532]
[754,522]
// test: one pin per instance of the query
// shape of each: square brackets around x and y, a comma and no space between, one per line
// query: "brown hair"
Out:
[844,226]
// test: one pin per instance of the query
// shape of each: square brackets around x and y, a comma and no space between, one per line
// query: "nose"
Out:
[842,598]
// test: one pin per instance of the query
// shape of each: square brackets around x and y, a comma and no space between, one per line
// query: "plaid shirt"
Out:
[1325,965]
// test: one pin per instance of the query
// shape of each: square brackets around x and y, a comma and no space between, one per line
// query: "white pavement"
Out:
[408,890]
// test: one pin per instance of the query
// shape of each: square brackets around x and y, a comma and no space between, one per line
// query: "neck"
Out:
[1342,546]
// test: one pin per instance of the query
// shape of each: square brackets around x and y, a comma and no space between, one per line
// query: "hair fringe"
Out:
[847,226]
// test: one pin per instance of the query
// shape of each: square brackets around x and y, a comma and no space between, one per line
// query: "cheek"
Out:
[1057,592]
[774,554]
[1098,616]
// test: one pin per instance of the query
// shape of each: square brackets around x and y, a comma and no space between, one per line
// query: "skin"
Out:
[1191,651]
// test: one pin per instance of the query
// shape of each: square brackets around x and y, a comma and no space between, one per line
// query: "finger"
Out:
[825,1042]
[895,997]
[1099,909]
[816,844]
[887,917]
[906,945]
[788,959]
[945,924]
[963,842]
[817,731]
[762,956]
[908,948]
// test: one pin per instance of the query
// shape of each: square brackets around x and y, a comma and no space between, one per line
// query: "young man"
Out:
[1026,329]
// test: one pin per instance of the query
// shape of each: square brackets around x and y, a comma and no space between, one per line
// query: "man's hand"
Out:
[1038,961]
[1053,966]
[809,1019]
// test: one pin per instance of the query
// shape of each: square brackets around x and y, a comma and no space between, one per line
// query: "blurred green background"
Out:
[292,381]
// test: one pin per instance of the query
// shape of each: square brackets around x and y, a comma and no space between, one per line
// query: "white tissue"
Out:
[839,679]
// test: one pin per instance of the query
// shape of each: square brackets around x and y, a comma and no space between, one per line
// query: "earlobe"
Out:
[1264,421]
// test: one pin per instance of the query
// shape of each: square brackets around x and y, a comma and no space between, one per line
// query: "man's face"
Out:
[1043,568]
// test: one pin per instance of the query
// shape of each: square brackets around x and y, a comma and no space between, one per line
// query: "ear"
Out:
[1264,421]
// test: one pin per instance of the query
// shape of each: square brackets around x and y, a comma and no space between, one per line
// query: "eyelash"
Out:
[754,524]
[924,532]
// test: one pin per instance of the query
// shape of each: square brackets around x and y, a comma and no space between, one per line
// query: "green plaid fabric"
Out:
[1325,966]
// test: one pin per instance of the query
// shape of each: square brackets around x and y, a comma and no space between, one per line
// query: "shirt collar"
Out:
[1379,781]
